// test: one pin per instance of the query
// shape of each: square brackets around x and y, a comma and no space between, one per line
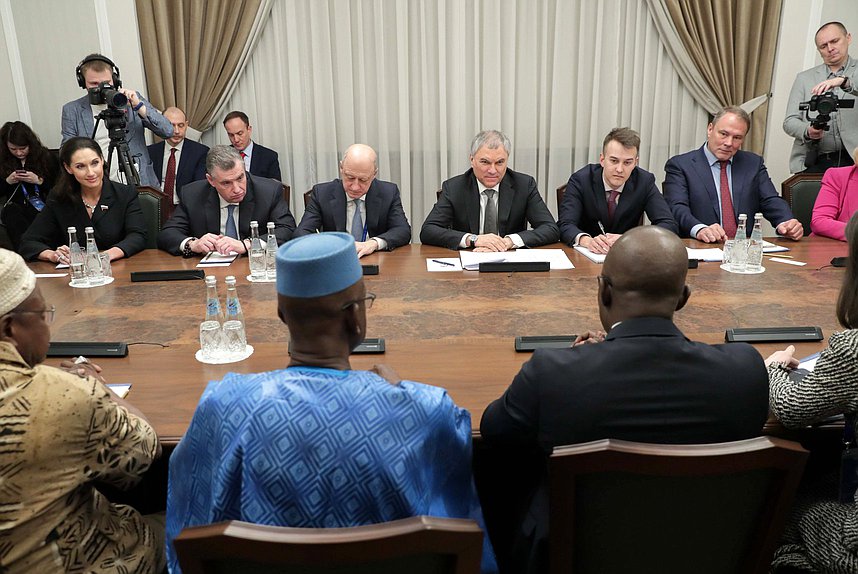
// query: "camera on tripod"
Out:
[824,105]
[104,93]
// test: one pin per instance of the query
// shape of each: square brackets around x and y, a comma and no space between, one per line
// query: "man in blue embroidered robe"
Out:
[318,444]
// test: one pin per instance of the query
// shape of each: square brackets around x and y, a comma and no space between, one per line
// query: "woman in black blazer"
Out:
[84,197]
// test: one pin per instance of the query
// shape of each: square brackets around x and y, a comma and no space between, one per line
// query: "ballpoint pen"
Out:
[443,262]
[602,228]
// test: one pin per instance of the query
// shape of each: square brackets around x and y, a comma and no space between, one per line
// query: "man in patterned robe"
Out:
[60,432]
[318,444]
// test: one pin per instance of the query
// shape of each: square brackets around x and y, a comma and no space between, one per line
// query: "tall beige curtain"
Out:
[732,44]
[195,50]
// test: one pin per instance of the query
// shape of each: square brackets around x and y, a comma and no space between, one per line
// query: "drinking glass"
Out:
[105,264]
[728,252]
[210,339]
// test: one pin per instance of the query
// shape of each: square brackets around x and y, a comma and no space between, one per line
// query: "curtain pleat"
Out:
[194,51]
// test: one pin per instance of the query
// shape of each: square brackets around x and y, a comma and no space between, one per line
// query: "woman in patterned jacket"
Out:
[60,432]
[822,535]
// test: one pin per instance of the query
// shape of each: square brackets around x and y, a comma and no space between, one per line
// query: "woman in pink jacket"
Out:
[836,202]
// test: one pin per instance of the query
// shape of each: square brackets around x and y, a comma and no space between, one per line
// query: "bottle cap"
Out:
[72,230]
[254,224]
[230,279]
[88,230]
[211,279]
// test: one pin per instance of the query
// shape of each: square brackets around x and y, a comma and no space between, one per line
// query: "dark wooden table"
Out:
[454,330]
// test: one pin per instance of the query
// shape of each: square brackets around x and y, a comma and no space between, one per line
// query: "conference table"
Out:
[451,329]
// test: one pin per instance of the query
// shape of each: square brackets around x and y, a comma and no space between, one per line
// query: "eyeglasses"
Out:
[47,314]
[370,297]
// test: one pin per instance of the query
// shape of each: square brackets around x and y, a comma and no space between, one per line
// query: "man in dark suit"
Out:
[215,214]
[188,157]
[259,160]
[366,208]
[709,187]
[644,381]
[604,200]
[489,207]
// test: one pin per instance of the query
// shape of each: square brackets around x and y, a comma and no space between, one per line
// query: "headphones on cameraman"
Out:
[114,70]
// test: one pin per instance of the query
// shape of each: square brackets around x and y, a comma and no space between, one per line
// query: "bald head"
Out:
[644,275]
[180,124]
[357,170]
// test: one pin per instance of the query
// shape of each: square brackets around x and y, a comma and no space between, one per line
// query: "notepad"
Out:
[556,258]
[215,259]
[594,257]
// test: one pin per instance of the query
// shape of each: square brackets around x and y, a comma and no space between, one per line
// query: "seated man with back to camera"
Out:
[489,207]
[317,444]
[644,381]
[368,209]
[709,187]
[816,148]
[215,214]
[78,118]
[177,160]
[602,201]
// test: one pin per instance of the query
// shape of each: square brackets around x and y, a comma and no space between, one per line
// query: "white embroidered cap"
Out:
[17,280]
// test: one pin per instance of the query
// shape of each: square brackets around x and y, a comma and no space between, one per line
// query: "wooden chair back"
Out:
[419,545]
[800,191]
[157,207]
[618,506]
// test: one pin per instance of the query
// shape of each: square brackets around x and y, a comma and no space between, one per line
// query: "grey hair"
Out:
[491,139]
[223,157]
[735,110]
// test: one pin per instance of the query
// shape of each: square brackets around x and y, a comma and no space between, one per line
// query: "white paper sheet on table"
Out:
[556,258]
[769,247]
[119,389]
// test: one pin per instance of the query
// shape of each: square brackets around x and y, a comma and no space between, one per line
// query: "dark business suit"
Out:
[689,189]
[646,382]
[199,213]
[117,221]
[585,204]
[457,212]
[385,218]
[192,162]
[264,162]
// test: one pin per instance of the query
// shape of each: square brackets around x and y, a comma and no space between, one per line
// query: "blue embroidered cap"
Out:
[317,265]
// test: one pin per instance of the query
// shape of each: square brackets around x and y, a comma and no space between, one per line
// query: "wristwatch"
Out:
[186,250]
[846,86]
[472,240]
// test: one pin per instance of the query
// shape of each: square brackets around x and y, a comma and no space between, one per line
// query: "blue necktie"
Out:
[357,223]
[231,231]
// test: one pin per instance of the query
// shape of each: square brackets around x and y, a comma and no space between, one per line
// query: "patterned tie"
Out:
[490,223]
[728,214]
[231,231]
[357,222]
[170,176]
[612,205]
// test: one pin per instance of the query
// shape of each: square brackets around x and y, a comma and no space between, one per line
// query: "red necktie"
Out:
[170,176]
[728,214]
[612,204]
